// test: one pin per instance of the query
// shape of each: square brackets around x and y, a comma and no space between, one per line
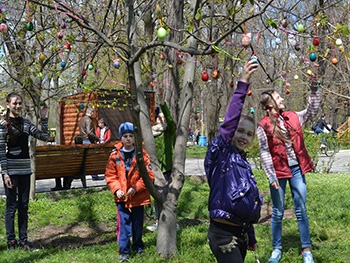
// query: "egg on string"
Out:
[30,26]
[116,63]
[284,22]
[316,41]
[83,72]
[287,91]
[309,72]
[338,42]
[297,46]
[252,111]
[91,67]
[300,28]
[296,77]
[312,56]
[216,74]
[334,61]
[82,106]
[205,76]
[3,27]
[42,57]
[278,40]
[267,81]
[161,33]
[41,103]
[63,64]
[246,39]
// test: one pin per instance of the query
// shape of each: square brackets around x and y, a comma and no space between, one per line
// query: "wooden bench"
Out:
[77,160]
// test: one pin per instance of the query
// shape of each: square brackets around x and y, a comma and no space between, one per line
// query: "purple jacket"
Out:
[234,195]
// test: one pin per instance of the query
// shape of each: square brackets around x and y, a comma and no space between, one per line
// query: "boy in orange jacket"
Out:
[130,194]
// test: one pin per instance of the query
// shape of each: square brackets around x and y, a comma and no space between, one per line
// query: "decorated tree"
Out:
[190,53]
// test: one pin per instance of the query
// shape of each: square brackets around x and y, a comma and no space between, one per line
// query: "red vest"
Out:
[278,149]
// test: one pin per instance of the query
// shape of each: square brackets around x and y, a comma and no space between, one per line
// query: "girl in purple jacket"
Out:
[234,200]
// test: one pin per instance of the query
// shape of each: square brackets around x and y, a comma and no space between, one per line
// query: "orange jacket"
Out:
[116,179]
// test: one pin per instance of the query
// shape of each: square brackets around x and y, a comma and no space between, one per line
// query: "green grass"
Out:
[328,208]
[195,151]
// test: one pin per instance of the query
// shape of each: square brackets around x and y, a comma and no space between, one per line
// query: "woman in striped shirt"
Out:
[15,166]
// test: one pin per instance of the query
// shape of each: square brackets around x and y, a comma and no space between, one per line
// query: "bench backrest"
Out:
[54,161]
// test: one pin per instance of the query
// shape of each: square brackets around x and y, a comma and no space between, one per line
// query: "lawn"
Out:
[79,225]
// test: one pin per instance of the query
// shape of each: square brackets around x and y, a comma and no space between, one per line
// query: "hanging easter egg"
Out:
[301,28]
[67,45]
[312,56]
[63,24]
[42,57]
[252,111]
[83,72]
[232,84]
[309,72]
[84,39]
[267,81]
[338,42]
[30,26]
[98,71]
[60,35]
[249,93]
[284,22]
[246,41]
[91,67]
[41,103]
[3,28]
[151,84]
[287,84]
[255,59]
[297,46]
[116,63]
[216,74]
[296,77]
[161,33]
[278,40]
[316,41]
[319,82]
[63,64]
[287,91]
[82,106]
[205,76]
[162,56]
[179,61]
[334,61]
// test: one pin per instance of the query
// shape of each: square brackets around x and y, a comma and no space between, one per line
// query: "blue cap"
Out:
[126,127]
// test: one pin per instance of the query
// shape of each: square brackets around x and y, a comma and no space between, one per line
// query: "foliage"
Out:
[91,207]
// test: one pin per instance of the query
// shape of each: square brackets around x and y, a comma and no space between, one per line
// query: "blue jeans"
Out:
[17,198]
[298,187]
[129,224]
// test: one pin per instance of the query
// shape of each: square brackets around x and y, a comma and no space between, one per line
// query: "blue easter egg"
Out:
[63,64]
[252,111]
[313,56]
[82,106]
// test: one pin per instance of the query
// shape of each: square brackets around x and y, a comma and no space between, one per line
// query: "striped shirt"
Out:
[14,151]
[265,155]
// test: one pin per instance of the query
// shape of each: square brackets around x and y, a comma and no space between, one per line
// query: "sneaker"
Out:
[123,257]
[94,177]
[275,256]
[140,251]
[12,244]
[307,257]
[153,227]
[24,244]
[57,188]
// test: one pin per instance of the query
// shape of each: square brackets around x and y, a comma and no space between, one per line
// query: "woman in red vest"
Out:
[285,159]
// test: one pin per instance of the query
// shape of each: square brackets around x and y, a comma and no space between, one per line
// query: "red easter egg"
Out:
[316,41]
[151,84]
[162,56]
[284,23]
[287,91]
[83,73]
[232,84]
[60,35]
[3,27]
[249,93]
[205,76]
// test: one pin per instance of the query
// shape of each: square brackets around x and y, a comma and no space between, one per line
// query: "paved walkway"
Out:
[192,167]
